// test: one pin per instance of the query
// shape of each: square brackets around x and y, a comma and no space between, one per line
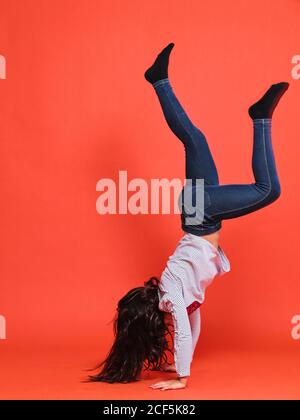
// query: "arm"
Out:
[183,342]
[195,325]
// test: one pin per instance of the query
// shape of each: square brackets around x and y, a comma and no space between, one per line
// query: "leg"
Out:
[234,200]
[199,160]
[195,322]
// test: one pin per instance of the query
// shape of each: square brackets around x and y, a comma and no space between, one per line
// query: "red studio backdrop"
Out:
[75,108]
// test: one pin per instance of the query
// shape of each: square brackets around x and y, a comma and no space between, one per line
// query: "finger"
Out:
[159,384]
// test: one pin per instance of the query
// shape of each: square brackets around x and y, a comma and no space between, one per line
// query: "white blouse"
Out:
[189,270]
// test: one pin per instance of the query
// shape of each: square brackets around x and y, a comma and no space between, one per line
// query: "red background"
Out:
[75,108]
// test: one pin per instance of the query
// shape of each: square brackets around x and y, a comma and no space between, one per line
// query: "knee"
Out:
[270,192]
[274,192]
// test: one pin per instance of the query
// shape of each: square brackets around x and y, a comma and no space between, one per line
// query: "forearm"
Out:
[183,341]
[183,353]
[195,322]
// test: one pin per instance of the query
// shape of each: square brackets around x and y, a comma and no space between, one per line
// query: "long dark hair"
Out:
[141,332]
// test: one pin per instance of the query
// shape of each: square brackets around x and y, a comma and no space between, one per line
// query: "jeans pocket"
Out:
[194,212]
[189,197]
[207,200]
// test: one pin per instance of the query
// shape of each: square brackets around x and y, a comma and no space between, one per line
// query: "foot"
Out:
[264,108]
[159,69]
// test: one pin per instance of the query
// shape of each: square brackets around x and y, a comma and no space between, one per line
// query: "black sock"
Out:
[264,108]
[159,69]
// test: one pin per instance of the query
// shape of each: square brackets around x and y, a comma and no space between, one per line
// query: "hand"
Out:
[173,384]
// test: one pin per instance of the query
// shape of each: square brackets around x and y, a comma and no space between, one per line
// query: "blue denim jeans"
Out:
[220,201]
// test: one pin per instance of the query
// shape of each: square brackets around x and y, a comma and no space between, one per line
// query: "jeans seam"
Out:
[269,189]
